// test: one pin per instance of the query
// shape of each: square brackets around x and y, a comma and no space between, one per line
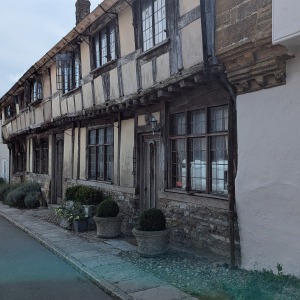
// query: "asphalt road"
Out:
[30,271]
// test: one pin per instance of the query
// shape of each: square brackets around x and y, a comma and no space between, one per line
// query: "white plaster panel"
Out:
[187,5]
[75,161]
[267,185]
[68,153]
[46,86]
[116,143]
[129,78]
[39,117]
[192,48]
[163,67]
[98,88]
[53,78]
[83,133]
[78,102]
[14,125]
[4,132]
[85,59]
[126,31]
[32,117]
[23,120]
[147,76]
[19,125]
[55,107]
[27,119]
[126,155]
[48,110]
[87,95]
[114,86]
[63,105]
[71,104]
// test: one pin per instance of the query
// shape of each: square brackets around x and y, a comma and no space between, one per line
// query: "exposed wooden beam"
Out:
[200,78]
[186,84]
[163,94]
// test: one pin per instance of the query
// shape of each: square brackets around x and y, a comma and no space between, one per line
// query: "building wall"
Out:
[267,185]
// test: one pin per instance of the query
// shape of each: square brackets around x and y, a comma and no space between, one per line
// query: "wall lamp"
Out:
[152,122]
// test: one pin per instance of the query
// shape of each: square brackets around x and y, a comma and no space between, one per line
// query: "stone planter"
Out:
[80,225]
[109,227]
[151,243]
[64,223]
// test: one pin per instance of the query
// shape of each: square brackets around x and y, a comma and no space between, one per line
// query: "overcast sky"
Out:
[28,30]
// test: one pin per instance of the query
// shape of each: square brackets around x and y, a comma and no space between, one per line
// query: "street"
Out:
[30,271]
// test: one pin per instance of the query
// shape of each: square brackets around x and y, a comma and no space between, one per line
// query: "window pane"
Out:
[109,162]
[44,156]
[178,164]
[197,149]
[96,50]
[77,70]
[147,25]
[103,47]
[219,164]
[92,162]
[112,42]
[92,137]
[109,135]
[101,162]
[197,122]
[101,136]
[160,20]
[178,124]
[218,118]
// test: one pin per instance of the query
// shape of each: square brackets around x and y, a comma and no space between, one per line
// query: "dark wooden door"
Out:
[149,171]
[59,169]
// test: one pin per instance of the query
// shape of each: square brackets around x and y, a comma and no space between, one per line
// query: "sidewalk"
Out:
[100,261]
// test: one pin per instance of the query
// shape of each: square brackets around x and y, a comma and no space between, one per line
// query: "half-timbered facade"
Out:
[126,102]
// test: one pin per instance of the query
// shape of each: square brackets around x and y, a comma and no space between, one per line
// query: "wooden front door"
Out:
[149,171]
[58,175]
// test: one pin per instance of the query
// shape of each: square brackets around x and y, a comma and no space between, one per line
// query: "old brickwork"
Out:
[244,45]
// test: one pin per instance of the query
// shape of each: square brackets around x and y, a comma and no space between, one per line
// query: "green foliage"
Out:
[31,200]
[73,213]
[16,194]
[6,188]
[2,181]
[152,219]
[84,195]
[107,209]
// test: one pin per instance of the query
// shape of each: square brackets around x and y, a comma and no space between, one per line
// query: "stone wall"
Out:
[197,226]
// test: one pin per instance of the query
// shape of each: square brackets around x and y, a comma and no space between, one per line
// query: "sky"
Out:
[29,29]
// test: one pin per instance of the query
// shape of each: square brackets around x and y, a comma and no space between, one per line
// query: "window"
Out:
[67,71]
[41,155]
[104,46]
[100,153]
[199,146]
[33,90]
[153,22]
[9,111]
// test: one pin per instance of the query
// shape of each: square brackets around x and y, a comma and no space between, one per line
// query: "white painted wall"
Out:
[286,22]
[267,186]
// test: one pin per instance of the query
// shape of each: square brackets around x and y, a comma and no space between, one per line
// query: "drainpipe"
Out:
[214,69]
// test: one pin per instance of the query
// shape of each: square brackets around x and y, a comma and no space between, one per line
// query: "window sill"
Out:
[197,194]
[154,48]
[99,69]
[70,92]
[36,102]
[102,181]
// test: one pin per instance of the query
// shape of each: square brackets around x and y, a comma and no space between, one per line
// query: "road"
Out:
[30,271]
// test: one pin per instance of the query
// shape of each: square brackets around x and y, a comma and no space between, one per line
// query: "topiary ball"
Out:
[107,209]
[152,219]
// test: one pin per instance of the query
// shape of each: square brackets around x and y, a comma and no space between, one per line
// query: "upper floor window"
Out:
[199,150]
[67,71]
[41,161]
[100,153]
[33,90]
[9,111]
[104,46]
[153,22]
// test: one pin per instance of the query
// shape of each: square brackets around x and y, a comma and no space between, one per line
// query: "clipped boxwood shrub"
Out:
[107,209]
[5,189]
[88,196]
[152,219]
[15,198]
[31,200]
[70,194]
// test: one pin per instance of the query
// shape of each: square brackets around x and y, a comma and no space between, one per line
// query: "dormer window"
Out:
[104,46]
[67,71]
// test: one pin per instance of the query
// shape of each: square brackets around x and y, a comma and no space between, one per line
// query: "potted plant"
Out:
[64,213]
[108,220]
[151,235]
[78,218]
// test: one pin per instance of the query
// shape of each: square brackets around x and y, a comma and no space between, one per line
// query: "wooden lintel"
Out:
[163,94]
[186,84]
[174,89]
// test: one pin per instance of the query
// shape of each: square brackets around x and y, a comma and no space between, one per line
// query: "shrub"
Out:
[2,180]
[107,208]
[31,200]
[88,195]
[152,219]
[15,198]
[5,189]
[70,194]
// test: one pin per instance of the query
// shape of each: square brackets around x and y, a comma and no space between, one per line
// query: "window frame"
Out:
[98,62]
[40,156]
[154,33]
[106,144]
[207,136]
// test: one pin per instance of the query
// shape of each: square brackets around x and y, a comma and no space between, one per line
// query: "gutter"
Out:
[215,69]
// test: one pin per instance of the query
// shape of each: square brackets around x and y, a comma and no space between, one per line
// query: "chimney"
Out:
[82,9]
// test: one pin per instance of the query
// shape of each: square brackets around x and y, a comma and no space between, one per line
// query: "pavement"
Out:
[99,261]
